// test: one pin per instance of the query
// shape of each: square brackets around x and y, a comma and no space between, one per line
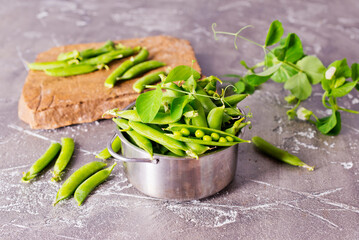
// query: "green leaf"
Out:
[342,69]
[299,86]
[313,67]
[274,34]
[355,71]
[283,74]
[330,125]
[240,86]
[178,105]
[344,89]
[182,72]
[291,50]
[148,104]
[259,78]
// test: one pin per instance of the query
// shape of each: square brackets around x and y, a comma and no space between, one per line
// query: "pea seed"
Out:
[199,133]
[177,134]
[185,132]
[222,139]
[207,138]
[229,138]
[215,136]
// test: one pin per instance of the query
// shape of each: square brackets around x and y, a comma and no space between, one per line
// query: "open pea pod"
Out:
[208,131]
[202,142]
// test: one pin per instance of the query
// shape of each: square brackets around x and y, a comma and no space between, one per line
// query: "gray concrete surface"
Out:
[267,200]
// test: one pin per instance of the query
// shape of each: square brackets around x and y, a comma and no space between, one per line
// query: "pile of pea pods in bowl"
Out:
[180,138]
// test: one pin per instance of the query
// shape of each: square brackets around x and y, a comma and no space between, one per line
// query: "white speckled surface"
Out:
[267,200]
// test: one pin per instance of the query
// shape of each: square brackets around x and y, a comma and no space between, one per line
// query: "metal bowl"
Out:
[176,178]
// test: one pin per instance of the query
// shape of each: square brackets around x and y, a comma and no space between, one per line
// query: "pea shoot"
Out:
[287,63]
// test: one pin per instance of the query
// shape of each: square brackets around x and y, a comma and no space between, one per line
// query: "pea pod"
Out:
[72,70]
[108,57]
[140,140]
[215,117]
[208,131]
[233,100]
[76,179]
[279,154]
[140,84]
[160,138]
[205,101]
[120,70]
[233,112]
[156,136]
[87,53]
[91,183]
[203,142]
[235,127]
[197,148]
[200,120]
[161,118]
[67,150]
[47,65]
[42,162]
[116,146]
[141,68]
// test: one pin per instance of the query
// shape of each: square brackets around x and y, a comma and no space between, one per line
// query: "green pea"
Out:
[108,57]
[91,183]
[206,143]
[199,133]
[215,136]
[185,132]
[229,138]
[76,179]
[197,148]
[207,138]
[222,140]
[42,162]
[200,120]
[177,133]
[67,150]
[105,154]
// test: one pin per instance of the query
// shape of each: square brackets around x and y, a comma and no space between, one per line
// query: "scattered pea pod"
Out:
[140,84]
[116,146]
[91,183]
[67,150]
[108,57]
[138,139]
[42,162]
[76,179]
[71,70]
[48,65]
[279,154]
[87,53]
[141,68]
[120,70]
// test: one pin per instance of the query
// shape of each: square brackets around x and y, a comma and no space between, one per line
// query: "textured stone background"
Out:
[267,200]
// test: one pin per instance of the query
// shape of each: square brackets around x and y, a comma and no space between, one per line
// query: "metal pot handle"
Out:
[124,159]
